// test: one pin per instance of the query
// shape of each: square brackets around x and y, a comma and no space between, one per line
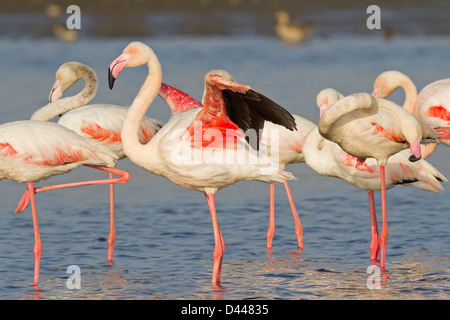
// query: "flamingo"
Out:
[34,150]
[288,148]
[328,159]
[368,127]
[98,122]
[431,105]
[198,149]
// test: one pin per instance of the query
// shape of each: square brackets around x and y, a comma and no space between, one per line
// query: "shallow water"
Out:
[164,235]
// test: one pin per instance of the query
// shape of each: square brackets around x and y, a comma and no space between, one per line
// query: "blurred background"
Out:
[115,18]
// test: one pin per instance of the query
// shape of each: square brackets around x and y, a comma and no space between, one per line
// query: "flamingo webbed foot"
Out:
[23,203]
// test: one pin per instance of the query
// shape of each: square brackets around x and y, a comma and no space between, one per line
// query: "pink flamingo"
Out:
[431,105]
[34,150]
[285,150]
[98,122]
[288,146]
[328,159]
[366,127]
[196,149]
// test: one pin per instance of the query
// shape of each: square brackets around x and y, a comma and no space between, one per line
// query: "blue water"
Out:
[164,234]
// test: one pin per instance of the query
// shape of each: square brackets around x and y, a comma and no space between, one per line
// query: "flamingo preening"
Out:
[368,127]
[328,159]
[431,105]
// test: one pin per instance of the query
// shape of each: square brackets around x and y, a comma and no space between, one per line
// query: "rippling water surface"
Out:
[164,233]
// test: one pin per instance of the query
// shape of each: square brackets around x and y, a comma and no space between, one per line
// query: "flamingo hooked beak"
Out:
[375,92]
[56,92]
[116,66]
[325,106]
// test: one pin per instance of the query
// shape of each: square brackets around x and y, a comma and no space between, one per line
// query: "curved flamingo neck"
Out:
[147,93]
[61,106]
[357,102]
[410,94]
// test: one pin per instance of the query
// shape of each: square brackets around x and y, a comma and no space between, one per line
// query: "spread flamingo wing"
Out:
[229,105]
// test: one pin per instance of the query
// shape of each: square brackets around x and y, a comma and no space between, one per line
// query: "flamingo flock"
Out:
[234,134]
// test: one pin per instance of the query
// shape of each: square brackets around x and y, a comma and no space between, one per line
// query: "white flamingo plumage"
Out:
[207,133]
[368,127]
[98,122]
[34,150]
[431,105]
[328,159]
[288,147]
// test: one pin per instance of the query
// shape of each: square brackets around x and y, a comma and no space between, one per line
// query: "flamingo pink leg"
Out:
[298,225]
[271,229]
[375,244]
[29,197]
[218,239]
[384,230]
[37,238]
[124,177]
[112,221]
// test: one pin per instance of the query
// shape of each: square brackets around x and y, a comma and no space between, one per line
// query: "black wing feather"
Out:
[251,109]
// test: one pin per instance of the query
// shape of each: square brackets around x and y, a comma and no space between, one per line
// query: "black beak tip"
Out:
[413,158]
[111,79]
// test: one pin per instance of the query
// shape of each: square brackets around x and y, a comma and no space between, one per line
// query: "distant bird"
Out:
[34,150]
[64,34]
[61,31]
[431,106]
[328,159]
[99,122]
[366,127]
[196,149]
[291,33]
[286,149]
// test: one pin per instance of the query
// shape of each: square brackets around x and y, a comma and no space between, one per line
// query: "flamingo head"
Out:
[219,73]
[66,75]
[386,83]
[135,54]
[326,98]
[56,92]
[222,73]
